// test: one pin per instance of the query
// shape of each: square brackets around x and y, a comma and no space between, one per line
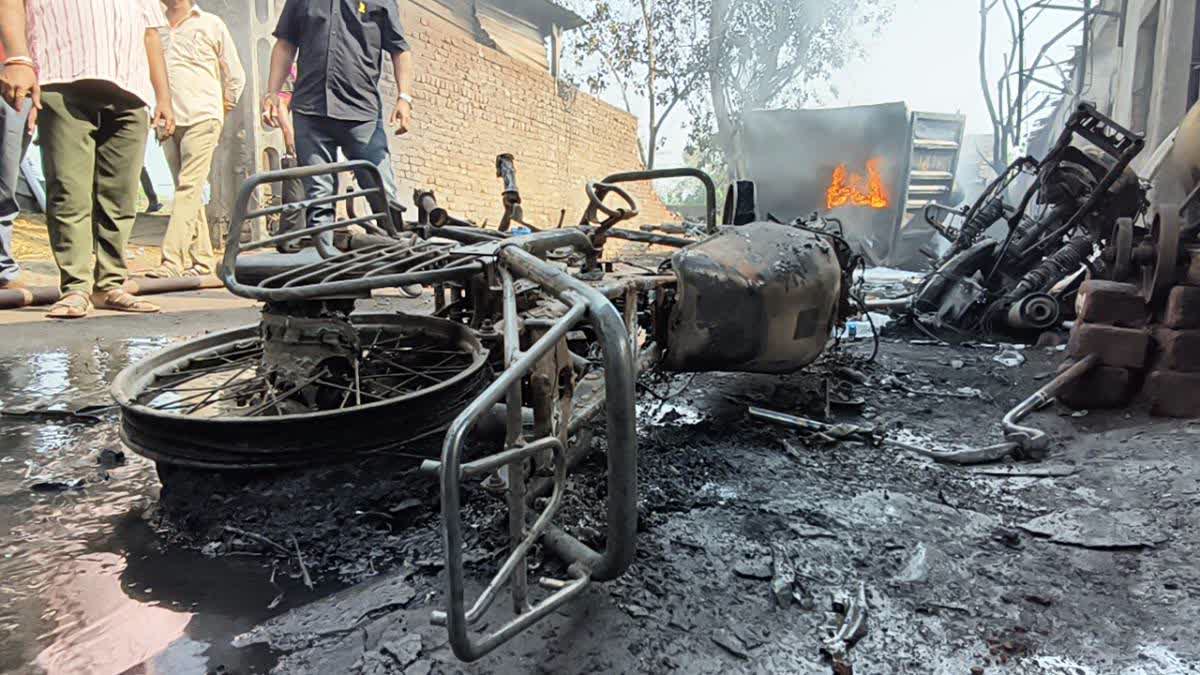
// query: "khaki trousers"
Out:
[187,244]
[93,147]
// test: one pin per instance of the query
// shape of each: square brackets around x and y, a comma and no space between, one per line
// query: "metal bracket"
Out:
[584,564]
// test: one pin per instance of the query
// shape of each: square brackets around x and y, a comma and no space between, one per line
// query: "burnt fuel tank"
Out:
[760,298]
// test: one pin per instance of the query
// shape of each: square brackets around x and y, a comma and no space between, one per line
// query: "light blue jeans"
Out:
[13,141]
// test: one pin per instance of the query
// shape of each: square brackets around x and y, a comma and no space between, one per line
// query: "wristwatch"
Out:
[405,97]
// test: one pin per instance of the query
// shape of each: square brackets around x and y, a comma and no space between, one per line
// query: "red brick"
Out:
[478,102]
[1183,308]
[1102,387]
[1112,303]
[1118,347]
[1177,350]
[1174,394]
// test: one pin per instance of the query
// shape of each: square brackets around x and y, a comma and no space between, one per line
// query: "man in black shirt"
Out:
[336,104]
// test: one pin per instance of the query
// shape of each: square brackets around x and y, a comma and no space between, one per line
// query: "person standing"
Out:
[206,82]
[151,194]
[337,104]
[14,139]
[91,67]
[293,189]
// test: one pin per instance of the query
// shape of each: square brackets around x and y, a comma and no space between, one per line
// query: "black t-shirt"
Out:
[341,45]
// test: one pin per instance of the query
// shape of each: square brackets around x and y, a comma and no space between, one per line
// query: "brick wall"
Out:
[473,103]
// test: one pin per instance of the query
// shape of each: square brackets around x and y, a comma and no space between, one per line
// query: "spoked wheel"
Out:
[300,391]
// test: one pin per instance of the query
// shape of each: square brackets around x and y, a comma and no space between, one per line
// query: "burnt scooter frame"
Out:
[1032,253]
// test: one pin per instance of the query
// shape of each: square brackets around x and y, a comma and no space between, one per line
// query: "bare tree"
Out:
[646,50]
[768,53]
[719,58]
[1025,87]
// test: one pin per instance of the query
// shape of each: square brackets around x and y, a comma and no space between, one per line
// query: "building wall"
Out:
[1115,68]
[472,103]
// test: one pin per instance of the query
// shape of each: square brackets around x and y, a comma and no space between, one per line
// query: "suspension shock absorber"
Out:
[1057,265]
[1028,305]
[976,225]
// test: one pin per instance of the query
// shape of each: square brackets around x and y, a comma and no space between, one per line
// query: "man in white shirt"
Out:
[206,81]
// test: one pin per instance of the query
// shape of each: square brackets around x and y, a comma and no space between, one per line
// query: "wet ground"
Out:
[751,536]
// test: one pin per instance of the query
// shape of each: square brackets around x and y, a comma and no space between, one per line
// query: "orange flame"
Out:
[852,189]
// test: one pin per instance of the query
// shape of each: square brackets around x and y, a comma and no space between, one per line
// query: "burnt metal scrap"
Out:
[761,298]
[532,333]
[1024,280]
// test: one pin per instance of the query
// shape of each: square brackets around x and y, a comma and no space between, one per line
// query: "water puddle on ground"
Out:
[85,584]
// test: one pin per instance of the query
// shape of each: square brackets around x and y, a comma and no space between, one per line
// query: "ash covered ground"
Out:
[755,539]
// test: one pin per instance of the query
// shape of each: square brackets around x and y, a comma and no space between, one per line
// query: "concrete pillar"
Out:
[246,147]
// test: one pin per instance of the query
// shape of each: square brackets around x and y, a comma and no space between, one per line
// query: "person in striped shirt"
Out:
[91,68]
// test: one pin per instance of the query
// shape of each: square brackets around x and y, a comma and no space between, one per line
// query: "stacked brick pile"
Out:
[1154,351]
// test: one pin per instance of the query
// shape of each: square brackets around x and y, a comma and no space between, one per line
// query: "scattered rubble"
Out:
[1098,528]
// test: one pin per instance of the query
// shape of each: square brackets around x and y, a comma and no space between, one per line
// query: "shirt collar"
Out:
[195,11]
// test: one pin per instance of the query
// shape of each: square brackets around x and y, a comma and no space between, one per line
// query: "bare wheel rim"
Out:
[211,403]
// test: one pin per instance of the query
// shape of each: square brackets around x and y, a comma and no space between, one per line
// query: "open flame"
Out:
[852,189]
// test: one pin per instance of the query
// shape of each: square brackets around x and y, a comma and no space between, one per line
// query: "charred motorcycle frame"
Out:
[538,333]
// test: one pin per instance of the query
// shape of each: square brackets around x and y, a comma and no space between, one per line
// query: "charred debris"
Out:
[525,435]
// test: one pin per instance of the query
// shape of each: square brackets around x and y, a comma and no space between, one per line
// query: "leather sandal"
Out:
[72,305]
[118,300]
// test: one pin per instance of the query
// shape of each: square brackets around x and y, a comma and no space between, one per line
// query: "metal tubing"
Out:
[456,436]
[147,286]
[331,268]
[896,305]
[15,298]
[514,566]
[513,429]
[242,213]
[789,420]
[650,238]
[296,206]
[569,548]
[710,187]
[482,467]
[540,243]
[1035,439]
[620,399]
[348,287]
[1017,438]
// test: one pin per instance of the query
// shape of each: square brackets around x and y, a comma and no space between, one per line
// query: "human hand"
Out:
[18,81]
[402,117]
[164,120]
[272,108]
